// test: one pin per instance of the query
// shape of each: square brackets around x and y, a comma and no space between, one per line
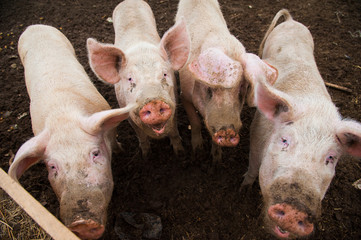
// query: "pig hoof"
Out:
[245,189]
[145,155]
[212,169]
[197,154]
[179,153]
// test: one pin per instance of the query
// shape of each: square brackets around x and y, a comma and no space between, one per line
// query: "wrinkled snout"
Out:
[155,114]
[226,137]
[87,229]
[84,210]
[289,220]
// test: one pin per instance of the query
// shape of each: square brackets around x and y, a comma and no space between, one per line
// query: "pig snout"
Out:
[87,229]
[226,137]
[155,114]
[84,210]
[289,220]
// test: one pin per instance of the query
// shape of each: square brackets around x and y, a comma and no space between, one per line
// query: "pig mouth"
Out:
[158,129]
[87,229]
[280,232]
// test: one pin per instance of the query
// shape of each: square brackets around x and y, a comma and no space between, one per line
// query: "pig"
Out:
[141,67]
[74,130]
[297,135]
[217,76]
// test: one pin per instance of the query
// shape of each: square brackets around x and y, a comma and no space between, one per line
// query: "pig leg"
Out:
[196,124]
[143,140]
[255,155]
[251,174]
[116,146]
[216,154]
[175,139]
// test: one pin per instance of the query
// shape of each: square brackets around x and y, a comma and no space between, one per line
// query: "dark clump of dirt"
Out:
[191,203]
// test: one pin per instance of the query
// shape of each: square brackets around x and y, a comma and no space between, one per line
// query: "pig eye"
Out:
[130,79]
[330,160]
[52,168]
[285,143]
[95,154]
[165,75]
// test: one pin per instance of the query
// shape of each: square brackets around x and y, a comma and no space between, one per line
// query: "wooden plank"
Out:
[30,205]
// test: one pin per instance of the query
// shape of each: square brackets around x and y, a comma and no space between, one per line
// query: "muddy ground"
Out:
[191,203]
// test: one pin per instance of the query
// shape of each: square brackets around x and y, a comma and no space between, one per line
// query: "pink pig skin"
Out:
[73,127]
[141,67]
[297,134]
[217,76]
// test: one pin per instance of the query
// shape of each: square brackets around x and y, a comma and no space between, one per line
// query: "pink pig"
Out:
[217,75]
[73,127]
[297,134]
[141,65]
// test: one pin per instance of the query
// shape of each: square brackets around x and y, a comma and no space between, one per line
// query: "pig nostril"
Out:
[147,113]
[161,110]
[281,213]
[300,223]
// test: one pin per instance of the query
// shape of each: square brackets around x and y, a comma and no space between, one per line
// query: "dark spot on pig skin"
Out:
[351,139]
[83,210]
[164,83]
[118,63]
[83,204]
[209,93]
[132,86]
[279,109]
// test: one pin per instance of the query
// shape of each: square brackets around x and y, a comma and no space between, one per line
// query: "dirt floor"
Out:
[191,203]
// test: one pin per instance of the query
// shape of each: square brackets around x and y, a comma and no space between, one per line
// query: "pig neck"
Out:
[69,110]
[61,96]
[299,78]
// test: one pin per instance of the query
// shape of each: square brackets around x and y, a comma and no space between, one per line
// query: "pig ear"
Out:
[105,60]
[349,136]
[256,70]
[274,104]
[175,45]
[28,154]
[216,69]
[105,120]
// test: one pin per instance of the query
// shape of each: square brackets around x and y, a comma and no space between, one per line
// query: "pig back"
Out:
[134,22]
[289,48]
[55,80]
[205,24]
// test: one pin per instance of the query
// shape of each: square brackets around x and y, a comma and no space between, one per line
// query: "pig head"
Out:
[297,134]
[217,76]
[73,127]
[141,67]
